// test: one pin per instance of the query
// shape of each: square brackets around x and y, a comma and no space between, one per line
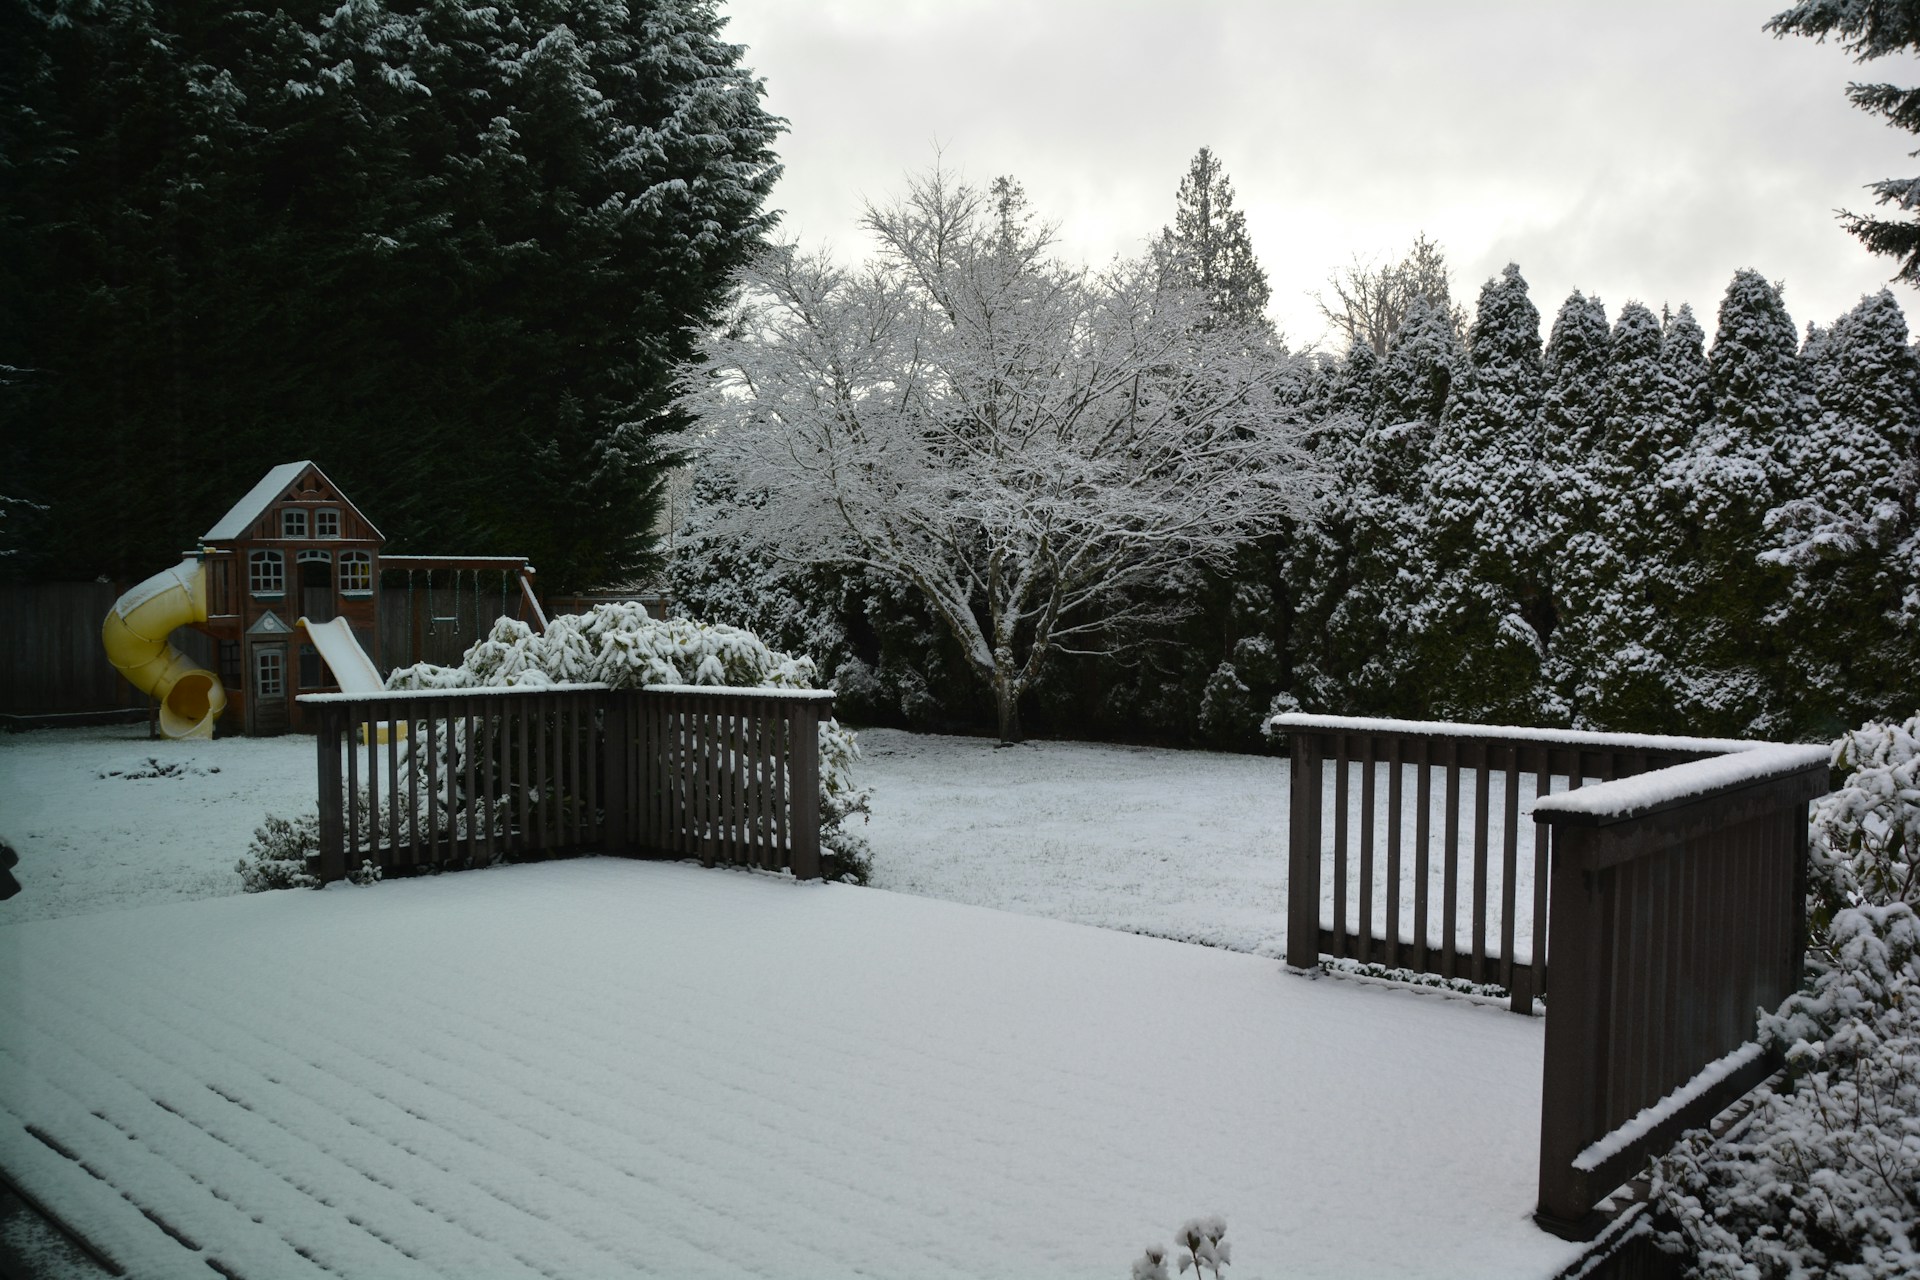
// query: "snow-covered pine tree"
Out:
[1481,603]
[1846,527]
[1355,566]
[1207,248]
[1612,656]
[1731,664]
[1579,488]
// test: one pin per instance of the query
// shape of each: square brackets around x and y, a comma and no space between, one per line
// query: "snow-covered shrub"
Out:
[1865,846]
[277,856]
[619,645]
[1824,1179]
[283,849]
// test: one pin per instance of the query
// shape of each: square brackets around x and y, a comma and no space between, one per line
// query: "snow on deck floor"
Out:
[600,1067]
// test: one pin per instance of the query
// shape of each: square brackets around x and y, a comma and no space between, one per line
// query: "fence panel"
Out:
[726,775]
[1677,906]
[1474,911]
[473,776]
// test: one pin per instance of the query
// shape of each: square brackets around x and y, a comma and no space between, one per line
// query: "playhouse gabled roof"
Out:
[235,523]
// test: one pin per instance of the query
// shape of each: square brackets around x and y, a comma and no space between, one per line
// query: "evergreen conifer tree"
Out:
[1729,476]
[1483,608]
[1846,530]
[451,251]
[1208,247]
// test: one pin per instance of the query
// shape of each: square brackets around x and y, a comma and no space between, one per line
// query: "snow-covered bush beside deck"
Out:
[618,644]
[1824,1179]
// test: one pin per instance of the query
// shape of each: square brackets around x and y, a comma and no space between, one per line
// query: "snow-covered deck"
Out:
[601,1068]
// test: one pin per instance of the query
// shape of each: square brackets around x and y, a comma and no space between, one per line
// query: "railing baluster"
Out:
[1395,756]
[1364,940]
[1342,756]
[1423,854]
[1481,820]
[1450,859]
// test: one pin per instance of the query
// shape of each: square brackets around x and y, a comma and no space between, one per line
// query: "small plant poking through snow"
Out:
[1825,1177]
[1152,1265]
[1200,1243]
[1205,1243]
[152,767]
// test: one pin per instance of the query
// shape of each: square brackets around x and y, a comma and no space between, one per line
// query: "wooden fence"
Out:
[1408,849]
[465,777]
[54,663]
[1678,910]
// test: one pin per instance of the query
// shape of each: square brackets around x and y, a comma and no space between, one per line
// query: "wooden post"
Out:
[333,853]
[805,741]
[1575,1041]
[616,762]
[1303,850]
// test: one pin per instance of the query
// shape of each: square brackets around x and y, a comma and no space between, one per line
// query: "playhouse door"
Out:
[269,699]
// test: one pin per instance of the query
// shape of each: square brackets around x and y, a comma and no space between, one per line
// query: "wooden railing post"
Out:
[1303,850]
[804,741]
[616,765]
[333,853]
[1573,1042]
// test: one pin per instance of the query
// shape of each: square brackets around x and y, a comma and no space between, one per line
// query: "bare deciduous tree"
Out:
[1019,439]
[1370,303]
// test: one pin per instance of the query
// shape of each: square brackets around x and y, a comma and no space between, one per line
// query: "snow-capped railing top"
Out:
[1677,784]
[459,691]
[1513,733]
[758,691]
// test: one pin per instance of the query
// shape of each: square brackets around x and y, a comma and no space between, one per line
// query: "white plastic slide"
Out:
[352,669]
[135,637]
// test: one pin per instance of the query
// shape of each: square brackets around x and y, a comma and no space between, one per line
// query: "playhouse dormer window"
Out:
[356,573]
[293,522]
[267,573]
[326,522]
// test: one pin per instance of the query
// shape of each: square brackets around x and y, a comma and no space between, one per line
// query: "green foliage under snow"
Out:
[1824,1178]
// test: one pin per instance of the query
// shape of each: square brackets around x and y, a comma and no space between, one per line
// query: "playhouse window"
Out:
[316,557]
[356,573]
[326,522]
[267,573]
[293,522]
[269,675]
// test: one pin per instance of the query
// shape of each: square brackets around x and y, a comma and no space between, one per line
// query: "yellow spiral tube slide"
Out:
[135,635]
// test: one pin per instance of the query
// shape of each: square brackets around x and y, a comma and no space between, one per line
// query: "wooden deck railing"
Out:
[1665,903]
[724,775]
[1408,847]
[1678,911]
[466,777]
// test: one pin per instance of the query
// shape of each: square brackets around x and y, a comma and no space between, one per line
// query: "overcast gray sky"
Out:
[1621,147]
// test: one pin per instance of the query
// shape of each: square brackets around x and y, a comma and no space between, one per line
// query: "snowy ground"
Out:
[601,1067]
[598,1066]
[1190,845]
[94,836]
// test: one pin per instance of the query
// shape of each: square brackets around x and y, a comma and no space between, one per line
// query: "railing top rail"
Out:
[464,691]
[1647,793]
[467,691]
[1298,720]
[736,690]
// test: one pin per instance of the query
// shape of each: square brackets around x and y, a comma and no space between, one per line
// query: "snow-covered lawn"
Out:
[602,1067]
